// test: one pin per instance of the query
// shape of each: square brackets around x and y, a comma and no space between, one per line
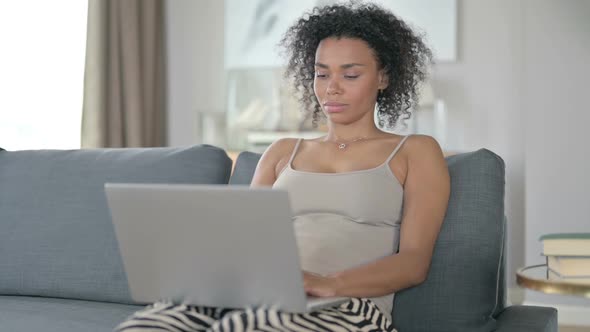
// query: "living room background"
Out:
[518,88]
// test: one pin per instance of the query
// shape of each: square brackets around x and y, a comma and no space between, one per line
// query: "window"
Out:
[41,73]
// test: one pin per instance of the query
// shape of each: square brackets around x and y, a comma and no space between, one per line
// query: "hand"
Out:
[318,285]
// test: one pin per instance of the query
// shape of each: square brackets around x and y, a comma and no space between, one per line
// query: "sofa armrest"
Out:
[523,318]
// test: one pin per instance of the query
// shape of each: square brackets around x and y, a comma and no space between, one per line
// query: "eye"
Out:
[320,74]
[351,77]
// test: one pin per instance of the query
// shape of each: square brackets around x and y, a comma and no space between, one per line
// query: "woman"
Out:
[348,186]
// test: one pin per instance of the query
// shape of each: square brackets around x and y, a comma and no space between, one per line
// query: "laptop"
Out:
[210,245]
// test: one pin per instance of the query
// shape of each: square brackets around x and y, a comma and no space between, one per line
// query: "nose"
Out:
[333,87]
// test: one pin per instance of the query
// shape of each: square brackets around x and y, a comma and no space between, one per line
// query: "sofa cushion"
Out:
[461,292]
[25,314]
[56,235]
[525,318]
[464,288]
[244,168]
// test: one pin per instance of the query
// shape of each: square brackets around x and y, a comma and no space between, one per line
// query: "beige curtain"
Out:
[124,79]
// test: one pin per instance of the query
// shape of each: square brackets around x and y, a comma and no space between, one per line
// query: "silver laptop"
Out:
[219,246]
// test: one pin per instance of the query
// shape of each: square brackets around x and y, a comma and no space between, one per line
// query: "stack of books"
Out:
[568,256]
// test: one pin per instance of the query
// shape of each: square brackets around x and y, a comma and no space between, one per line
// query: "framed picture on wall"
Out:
[254,28]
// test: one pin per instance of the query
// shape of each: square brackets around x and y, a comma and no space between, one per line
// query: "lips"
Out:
[334,107]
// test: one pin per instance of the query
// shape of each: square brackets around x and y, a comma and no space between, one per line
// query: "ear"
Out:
[383,80]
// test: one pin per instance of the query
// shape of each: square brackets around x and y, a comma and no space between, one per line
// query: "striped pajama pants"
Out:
[354,315]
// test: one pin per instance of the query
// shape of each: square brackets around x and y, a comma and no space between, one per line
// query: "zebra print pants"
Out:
[355,315]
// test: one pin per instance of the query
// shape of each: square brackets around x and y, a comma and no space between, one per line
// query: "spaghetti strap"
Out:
[294,151]
[399,145]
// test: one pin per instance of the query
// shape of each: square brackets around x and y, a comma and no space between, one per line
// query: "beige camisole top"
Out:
[343,220]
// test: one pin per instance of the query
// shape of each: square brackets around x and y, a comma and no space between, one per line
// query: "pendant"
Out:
[341,146]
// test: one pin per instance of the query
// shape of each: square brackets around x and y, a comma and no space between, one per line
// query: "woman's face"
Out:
[347,79]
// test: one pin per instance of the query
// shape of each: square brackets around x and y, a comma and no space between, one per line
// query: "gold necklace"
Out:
[343,145]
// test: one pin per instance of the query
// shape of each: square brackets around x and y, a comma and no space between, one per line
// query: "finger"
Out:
[319,292]
[312,292]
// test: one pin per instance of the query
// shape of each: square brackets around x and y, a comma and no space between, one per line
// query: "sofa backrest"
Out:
[56,235]
[244,168]
[465,286]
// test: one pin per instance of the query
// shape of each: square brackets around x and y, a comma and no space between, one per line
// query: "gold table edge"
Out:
[550,286]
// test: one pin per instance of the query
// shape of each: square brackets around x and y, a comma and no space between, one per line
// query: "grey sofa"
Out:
[60,268]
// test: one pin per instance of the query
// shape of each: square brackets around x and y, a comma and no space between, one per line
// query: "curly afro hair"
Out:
[398,50]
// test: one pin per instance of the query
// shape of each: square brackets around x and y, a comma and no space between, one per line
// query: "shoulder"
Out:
[422,144]
[279,151]
[280,148]
[424,154]
[414,145]
[276,154]
[421,149]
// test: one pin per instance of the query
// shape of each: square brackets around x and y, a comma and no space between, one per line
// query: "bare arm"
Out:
[426,195]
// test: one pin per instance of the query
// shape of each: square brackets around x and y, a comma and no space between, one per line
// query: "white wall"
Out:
[556,104]
[519,88]
[482,91]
